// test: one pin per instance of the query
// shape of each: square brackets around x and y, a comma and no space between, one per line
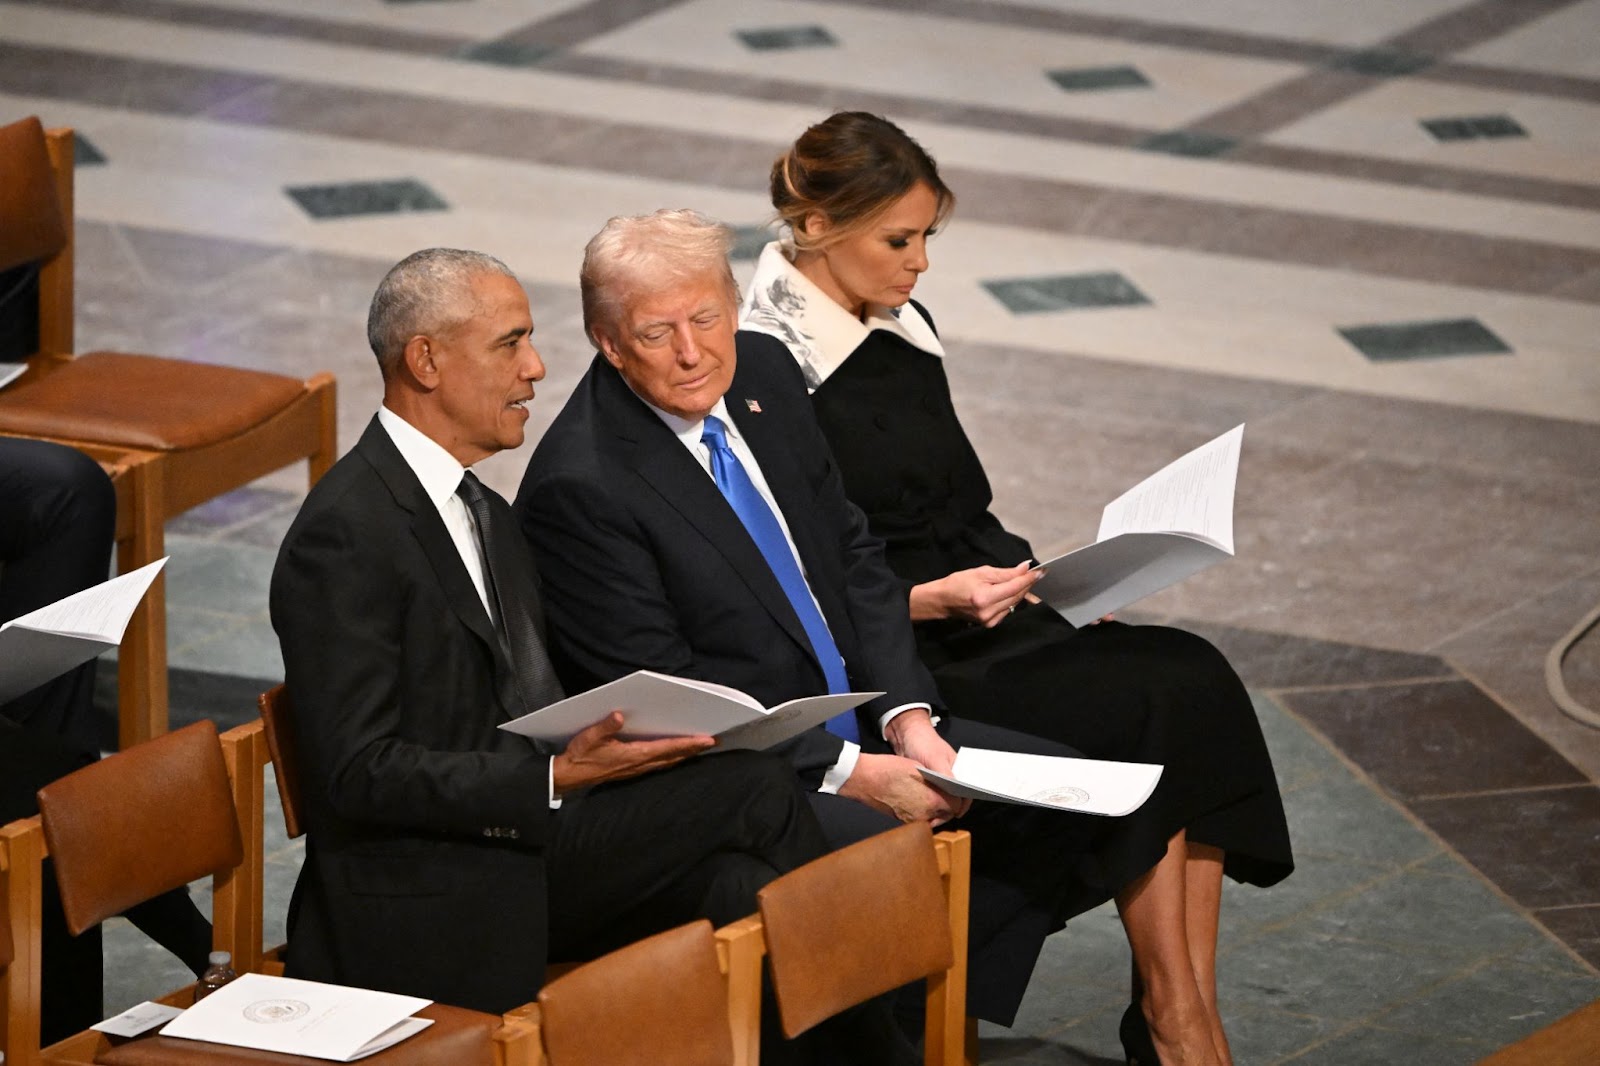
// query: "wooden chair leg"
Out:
[142,660]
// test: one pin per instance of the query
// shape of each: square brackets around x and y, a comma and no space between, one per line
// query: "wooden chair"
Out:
[143,821]
[215,428]
[662,1001]
[862,921]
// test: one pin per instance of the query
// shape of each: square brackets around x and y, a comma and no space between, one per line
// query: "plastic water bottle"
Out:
[219,973]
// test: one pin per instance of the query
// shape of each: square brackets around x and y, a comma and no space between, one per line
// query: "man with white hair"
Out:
[687,518]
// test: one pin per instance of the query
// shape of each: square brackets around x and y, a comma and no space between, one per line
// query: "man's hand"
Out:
[892,785]
[984,594]
[596,755]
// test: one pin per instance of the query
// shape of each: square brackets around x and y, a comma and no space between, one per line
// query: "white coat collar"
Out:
[821,335]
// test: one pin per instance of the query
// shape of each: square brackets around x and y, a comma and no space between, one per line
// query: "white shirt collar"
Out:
[690,432]
[436,468]
[821,335]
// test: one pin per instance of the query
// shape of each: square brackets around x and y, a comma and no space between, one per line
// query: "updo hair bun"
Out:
[849,168]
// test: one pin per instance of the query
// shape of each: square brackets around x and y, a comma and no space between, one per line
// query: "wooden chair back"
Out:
[870,918]
[126,829]
[205,428]
[277,720]
[662,1001]
[36,203]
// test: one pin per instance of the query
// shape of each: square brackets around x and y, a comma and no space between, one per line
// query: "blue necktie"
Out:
[764,529]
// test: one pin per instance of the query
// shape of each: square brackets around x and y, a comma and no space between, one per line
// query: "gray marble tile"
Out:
[1365,1046]
[1383,62]
[749,240]
[1496,1004]
[1343,818]
[786,38]
[222,513]
[140,85]
[1577,927]
[248,650]
[1260,1034]
[182,263]
[1065,292]
[1298,757]
[136,967]
[1433,737]
[1093,79]
[1511,446]
[1390,553]
[226,578]
[1392,342]
[507,53]
[1091,952]
[1478,127]
[1449,917]
[365,198]
[1537,846]
[1505,653]
[84,152]
[1318,883]
[1304,972]
[1196,144]
[1277,660]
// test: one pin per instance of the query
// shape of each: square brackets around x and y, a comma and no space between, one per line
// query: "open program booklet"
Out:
[293,1017]
[659,705]
[1171,525]
[43,644]
[1087,786]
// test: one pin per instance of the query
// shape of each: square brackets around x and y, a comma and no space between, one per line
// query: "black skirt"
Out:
[1135,694]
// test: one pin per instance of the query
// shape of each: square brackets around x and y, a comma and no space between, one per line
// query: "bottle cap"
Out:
[220,958]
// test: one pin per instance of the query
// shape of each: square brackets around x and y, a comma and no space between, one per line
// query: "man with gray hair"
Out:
[445,857]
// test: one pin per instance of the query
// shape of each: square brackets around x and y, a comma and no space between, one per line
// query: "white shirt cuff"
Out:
[555,804]
[883,723]
[841,770]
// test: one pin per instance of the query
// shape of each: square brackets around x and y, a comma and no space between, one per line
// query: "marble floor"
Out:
[1370,231]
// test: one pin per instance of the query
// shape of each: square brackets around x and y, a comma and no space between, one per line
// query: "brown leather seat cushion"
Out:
[145,401]
[456,1036]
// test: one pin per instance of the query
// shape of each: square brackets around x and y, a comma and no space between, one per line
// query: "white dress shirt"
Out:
[689,434]
[441,475]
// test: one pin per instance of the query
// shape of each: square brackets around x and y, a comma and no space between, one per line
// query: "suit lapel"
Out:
[440,551]
[672,472]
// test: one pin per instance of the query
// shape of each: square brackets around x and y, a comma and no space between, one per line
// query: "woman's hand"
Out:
[984,594]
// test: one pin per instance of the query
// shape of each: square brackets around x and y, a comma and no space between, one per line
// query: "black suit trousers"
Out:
[634,857]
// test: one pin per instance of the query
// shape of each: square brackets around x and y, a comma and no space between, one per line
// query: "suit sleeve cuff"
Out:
[555,802]
[841,770]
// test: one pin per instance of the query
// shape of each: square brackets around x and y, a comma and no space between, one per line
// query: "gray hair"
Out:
[632,253]
[424,293]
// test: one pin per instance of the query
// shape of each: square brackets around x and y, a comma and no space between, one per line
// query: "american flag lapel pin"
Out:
[753,407]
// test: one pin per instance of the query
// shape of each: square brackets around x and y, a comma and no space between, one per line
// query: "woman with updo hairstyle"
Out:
[859,200]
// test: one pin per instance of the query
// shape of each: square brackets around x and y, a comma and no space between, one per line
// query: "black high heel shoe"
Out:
[1134,1032]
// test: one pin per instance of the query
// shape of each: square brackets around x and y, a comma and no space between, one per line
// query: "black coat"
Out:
[424,873]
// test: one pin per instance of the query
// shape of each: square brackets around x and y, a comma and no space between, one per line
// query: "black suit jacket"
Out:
[423,870]
[645,565]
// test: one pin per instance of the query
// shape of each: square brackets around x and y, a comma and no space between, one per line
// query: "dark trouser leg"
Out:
[642,855]
[60,518]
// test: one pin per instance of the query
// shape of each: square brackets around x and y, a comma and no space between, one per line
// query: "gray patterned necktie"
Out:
[536,678]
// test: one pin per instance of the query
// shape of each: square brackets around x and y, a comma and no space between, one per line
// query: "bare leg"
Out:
[1202,901]
[1153,911]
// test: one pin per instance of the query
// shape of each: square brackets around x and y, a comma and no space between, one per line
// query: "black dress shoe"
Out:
[1135,1034]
